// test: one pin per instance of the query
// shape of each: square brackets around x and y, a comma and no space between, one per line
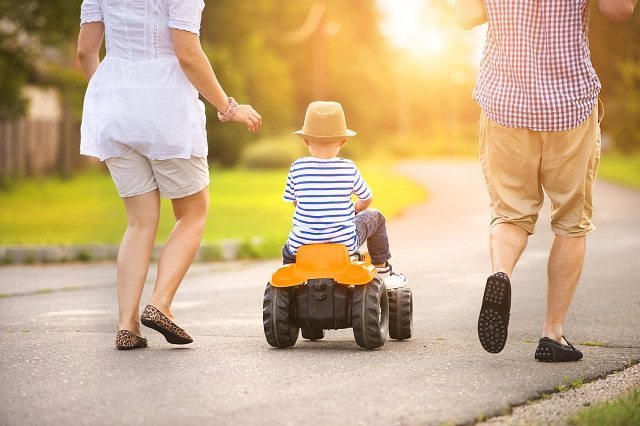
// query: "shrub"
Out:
[272,153]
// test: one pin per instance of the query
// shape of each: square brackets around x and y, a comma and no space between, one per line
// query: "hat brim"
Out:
[302,134]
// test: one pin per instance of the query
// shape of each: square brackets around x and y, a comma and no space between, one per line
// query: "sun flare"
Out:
[408,25]
[426,31]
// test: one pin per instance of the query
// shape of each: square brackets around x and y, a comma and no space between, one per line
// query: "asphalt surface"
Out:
[59,364]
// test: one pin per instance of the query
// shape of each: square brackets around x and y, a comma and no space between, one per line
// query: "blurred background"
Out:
[402,69]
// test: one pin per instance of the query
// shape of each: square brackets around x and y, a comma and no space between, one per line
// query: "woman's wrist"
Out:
[230,112]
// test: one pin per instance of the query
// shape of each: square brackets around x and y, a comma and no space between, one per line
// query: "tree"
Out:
[27,28]
[615,54]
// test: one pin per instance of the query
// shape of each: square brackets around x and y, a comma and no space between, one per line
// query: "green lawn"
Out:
[244,204]
[622,411]
[621,169]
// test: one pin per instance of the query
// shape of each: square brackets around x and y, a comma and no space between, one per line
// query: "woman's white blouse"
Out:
[139,98]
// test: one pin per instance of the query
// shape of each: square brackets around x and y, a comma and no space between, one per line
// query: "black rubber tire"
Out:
[400,313]
[370,314]
[277,317]
[312,333]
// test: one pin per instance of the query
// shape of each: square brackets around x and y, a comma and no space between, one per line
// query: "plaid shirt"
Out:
[536,70]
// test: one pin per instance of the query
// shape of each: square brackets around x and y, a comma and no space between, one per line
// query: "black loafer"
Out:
[493,322]
[549,350]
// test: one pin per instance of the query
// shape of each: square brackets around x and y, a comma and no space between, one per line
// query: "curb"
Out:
[222,250]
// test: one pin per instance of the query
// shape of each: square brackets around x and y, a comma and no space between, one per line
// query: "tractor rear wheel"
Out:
[277,317]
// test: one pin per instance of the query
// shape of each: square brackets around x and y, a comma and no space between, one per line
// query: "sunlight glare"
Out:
[406,25]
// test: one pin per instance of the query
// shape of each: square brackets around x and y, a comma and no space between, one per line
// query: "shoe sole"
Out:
[169,336]
[492,326]
[544,354]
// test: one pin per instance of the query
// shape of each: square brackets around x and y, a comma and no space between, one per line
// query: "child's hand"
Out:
[361,205]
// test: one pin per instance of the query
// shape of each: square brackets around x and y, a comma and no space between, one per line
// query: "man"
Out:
[539,129]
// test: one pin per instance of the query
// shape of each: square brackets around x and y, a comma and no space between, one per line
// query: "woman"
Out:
[142,116]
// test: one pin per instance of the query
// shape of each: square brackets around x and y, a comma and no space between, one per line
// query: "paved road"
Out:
[59,364]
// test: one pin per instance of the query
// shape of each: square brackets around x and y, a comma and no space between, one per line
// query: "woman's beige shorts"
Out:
[134,174]
[518,164]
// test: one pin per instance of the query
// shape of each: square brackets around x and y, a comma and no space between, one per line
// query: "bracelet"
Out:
[230,112]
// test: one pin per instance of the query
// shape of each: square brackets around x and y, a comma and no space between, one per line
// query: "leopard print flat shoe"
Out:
[153,318]
[126,340]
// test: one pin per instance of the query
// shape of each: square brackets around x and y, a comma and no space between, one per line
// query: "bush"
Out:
[272,153]
[626,109]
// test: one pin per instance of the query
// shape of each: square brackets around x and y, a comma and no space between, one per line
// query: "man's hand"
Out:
[469,13]
[617,10]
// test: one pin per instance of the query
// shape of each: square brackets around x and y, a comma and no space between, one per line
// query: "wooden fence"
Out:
[37,147]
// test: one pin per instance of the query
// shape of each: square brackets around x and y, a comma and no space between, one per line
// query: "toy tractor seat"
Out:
[324,261]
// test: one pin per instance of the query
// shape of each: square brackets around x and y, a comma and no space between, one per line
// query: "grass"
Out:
[244,204]
[593,343]
[621,411]
[621,169]
[568,384]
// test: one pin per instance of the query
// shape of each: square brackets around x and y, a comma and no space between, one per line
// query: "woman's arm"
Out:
[469,13]
[617,10]
[198,70]
[89,42]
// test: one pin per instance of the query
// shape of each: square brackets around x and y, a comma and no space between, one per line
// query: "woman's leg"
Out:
[180,249]
[134,256]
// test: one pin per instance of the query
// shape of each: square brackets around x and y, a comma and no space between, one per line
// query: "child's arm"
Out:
[363,204]
[362,191]
[289,194]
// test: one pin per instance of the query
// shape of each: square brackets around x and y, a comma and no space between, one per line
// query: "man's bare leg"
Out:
[507,242]
[565,266]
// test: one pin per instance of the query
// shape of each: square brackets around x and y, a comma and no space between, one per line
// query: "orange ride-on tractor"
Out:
[326,289]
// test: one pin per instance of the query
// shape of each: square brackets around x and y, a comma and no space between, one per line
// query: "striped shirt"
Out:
[322,190]
[536,70]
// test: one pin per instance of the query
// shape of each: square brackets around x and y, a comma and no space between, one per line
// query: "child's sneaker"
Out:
[390,278]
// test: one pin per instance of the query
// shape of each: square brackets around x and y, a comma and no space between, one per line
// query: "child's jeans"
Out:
[370,227]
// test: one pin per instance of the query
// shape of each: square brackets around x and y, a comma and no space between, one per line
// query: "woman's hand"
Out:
[247,115]
[197,68]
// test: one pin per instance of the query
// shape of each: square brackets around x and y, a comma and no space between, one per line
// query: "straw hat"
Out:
[324,122]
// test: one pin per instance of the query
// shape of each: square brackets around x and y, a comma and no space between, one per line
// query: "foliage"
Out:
[244,204]
[621,169]
[265,54]
[615,53]
[12,79]
[27,29]
[621,411]
[274,153]
[625,112]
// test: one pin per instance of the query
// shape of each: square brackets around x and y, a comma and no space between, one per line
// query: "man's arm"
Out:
[469,13]
[617,10]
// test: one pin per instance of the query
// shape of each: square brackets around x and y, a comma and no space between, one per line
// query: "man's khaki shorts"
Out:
[134,174]
[518,164]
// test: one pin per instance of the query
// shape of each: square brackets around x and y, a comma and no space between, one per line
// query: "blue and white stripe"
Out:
[322,190]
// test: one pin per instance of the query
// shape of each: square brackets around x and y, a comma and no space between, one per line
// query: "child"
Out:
[320,188]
